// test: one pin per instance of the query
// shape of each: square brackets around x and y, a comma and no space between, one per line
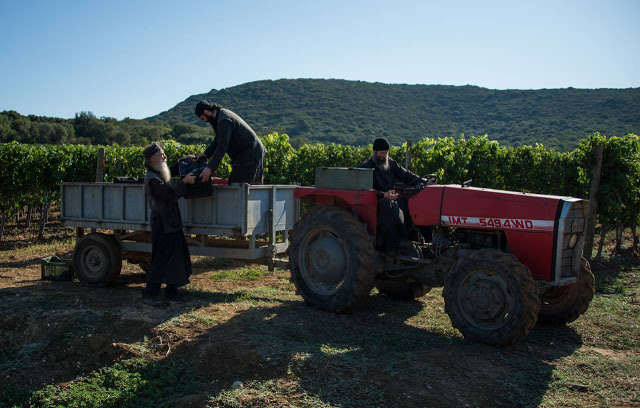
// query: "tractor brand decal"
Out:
[501,223]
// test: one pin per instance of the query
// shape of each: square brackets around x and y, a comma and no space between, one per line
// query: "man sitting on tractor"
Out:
[394,220]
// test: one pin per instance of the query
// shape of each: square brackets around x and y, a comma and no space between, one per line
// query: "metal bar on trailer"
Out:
[272,228]
[124,202]
[218,252]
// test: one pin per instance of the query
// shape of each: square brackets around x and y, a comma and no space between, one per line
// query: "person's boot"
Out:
[153,301]
[172,295]
[150,295]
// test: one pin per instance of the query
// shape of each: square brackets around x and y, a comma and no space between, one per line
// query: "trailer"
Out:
[239,221]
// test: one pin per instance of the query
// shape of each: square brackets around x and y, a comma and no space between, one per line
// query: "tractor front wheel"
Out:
[491,297]
[566,303]
[332,259]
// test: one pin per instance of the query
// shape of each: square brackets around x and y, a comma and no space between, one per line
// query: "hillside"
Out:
[354,112]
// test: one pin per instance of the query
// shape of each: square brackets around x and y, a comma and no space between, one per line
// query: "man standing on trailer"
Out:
[234,137]
[170,259]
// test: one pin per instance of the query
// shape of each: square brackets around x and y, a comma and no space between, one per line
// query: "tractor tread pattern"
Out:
[573,299]
[356,289]
[531,303]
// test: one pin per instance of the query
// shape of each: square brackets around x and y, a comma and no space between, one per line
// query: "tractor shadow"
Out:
[608,272]
[375,357]
[381,355]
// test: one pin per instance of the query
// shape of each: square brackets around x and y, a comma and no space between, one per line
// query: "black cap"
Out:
[150,150]
[201,106]
[381,143]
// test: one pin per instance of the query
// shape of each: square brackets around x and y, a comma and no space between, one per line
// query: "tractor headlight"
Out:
[573,240]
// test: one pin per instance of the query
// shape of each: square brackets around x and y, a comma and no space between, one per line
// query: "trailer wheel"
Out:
[566,303]
[402,290]
[97,260]
[332,259]
[491,297]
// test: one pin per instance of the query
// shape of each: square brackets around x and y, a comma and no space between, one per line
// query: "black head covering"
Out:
[381,144]
[150,150]
[201,106]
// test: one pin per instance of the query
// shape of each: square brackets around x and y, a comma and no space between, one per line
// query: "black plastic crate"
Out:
[197,189]
[56,269]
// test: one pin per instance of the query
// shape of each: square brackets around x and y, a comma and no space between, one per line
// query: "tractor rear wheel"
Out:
[97,260]
[566,303]
[491,297]
[332,259]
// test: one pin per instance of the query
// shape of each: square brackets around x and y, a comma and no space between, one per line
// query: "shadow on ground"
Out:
[287,352]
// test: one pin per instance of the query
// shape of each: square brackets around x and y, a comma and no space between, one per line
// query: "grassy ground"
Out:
[62,344]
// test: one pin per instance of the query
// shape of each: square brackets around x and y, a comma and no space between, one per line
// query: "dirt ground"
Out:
[243,323]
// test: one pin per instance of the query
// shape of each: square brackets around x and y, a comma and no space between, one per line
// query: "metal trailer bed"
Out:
[239,221]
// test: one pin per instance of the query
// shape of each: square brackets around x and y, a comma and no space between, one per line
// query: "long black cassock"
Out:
[170,259]
[394,219]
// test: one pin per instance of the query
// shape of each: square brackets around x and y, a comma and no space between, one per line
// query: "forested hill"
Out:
[354,112]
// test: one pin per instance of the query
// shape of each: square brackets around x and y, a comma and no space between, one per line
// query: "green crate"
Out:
[347,178]
[56,269]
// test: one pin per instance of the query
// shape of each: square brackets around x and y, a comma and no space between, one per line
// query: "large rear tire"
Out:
[566,303]
[491,297]
[97,260]
[332,259]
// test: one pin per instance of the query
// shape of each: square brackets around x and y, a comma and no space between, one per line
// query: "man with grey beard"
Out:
[394,220]
[170,259]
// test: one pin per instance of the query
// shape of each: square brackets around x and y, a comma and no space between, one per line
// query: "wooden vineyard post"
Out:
[99,177]
[407,163]
[100,165]
[593,199]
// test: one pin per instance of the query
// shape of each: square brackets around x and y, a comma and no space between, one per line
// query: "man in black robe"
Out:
[234,137]
[170,259]
[394,220]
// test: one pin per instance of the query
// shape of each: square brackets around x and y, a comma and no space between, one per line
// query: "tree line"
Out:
[85,128]
[355,112]
[30,174]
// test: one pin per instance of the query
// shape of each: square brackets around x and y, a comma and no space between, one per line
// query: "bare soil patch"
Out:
[259,332]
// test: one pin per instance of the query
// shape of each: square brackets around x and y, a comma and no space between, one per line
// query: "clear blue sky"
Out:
[138,58]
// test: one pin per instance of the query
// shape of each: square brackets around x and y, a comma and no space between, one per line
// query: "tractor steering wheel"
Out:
[415,186]
[428,177]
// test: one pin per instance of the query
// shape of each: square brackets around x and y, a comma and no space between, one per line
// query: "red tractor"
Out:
[505,259]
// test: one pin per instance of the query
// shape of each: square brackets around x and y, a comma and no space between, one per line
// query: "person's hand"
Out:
[391,195]
[189,178]
[205,175]
[189,156]
[200,156]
